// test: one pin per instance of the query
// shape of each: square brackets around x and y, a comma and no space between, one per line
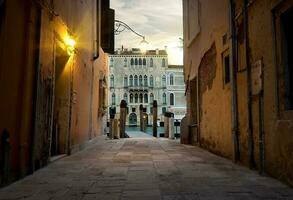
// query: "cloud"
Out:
[159,20]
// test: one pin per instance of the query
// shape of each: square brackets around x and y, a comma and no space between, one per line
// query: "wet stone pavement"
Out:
[142,169]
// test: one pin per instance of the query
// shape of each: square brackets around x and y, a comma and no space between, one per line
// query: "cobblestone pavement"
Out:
[145,169]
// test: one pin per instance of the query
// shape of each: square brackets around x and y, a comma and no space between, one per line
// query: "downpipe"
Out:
[233,78]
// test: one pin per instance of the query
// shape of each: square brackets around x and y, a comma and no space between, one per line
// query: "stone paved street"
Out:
[142,169]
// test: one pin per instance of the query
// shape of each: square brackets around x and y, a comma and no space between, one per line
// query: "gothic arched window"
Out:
[136,98]
[112,79]
[140,80]
[164,81]
[131,98]
[125,81]
[151,62]
[144,62]
[146,98]
[135,80]
[171,79]
[131,80]
[164,98]
[113,99]
[152,81]
[145,80]
[172,99]
[131,62]
[151,97]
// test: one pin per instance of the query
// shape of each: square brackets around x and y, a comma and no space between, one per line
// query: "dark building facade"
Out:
[53,79]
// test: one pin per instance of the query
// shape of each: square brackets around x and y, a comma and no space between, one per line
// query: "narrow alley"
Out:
[137,168]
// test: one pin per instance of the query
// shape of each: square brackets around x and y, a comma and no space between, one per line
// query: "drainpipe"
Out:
[249,92]
[233,77]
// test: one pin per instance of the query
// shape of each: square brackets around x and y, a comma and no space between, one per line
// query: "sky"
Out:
[160,21]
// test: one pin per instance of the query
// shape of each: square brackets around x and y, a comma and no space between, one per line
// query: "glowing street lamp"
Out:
[70,44]
[122,26]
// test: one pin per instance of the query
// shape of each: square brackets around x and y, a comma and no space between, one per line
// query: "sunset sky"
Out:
[159,20]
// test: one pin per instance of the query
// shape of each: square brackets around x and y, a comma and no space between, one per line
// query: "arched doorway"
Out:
[132,119]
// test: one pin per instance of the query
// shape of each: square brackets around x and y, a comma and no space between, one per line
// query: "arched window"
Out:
[125,97]
[163,62]
[131,62]
[112,81]
[171,79]
[140,80]
[136,98]
[172,99]
[144,62]
[140,61]
[125,62]
[164,81]
[125,81]
[146,98]
[152,81]
[151,97]
[145,80]
[140,98]
[135,80]
[131,80]
[111,62]
[136,61]
[164,98]
[151,62]
[113,99]
[131,98]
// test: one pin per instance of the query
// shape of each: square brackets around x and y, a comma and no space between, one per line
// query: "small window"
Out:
[131,80]
[145,79]
[135,80]
[144,62]
[171,79]
[125,97]
[131,62]
[141,98]
[152,81]
[146,98]
[140,61]
[111,62]
[112,79]
[133,109]
[131,98]
[226,65]
[125,81]
[172,99]
[163,62]
[164,109]
[151,62]
[113,99]
[151,97]
[164,81]
[164,98]
[136,61]
[140,80]
[125,62]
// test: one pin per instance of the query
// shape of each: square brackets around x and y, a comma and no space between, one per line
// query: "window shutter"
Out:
[107,27]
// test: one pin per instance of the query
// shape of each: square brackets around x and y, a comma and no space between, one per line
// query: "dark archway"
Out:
[132,119]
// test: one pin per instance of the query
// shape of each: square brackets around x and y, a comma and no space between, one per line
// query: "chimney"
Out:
[157,51]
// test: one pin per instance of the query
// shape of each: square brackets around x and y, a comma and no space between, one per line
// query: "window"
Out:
[131,98]
[172,99]
[135,80]
[164,109]
[151,62]
[151,110]
[163,62]
[131,80]
[136,98]
[145,79]
[164,98]
[112,81]
[133,109]
[125,62]
[140,80]
[287,56]
[151,98]
[144,62]
[125,81]
[171,79]
[152,81]
[146,98]
[136,61]
[226,68]
[164,81]
[131,62]
[140,61]
[125,97]
[113,99]
[111,62]
[141,98]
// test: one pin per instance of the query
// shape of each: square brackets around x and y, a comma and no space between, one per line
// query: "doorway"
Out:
[132,119]
[61,104]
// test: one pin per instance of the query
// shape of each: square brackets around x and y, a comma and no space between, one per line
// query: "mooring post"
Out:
[155,118]
[123,113]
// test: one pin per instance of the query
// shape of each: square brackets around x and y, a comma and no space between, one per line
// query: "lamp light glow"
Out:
[70,44]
